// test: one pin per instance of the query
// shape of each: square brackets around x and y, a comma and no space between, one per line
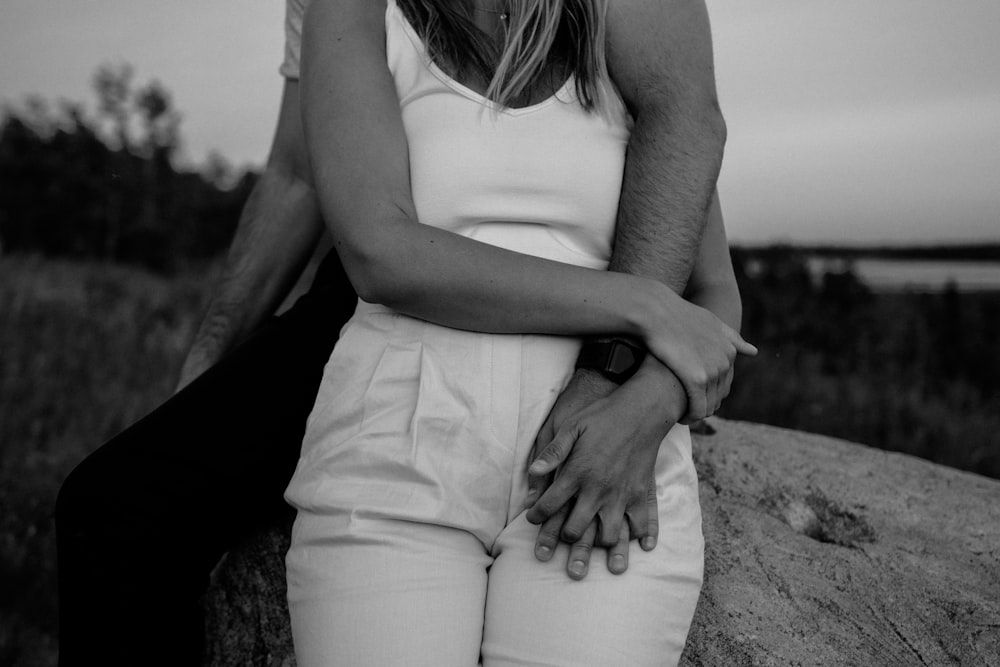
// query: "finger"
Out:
[711,395]
[637,517]
[580,520]
[544,436]
[560,492]
[727,385]
[618,554]
[553,454]
[611,527]
[699,406]
[744,347]
[694,386]
[548,536]
[720,387]
[648,543]
[537,485]
[579,553]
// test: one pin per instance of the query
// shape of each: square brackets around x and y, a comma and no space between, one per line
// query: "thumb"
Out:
[648,542]
[544,436]
[554,453]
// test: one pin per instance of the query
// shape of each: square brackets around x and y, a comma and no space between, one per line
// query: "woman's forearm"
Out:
[722,299]
[448,279]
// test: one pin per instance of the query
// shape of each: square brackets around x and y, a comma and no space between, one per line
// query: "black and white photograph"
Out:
[550,333]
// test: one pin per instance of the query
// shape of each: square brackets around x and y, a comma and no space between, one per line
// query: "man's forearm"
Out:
[277,232]
[660,57]
[666,192]
[712,286]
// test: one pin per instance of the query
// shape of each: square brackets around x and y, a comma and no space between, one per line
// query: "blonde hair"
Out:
[539,32]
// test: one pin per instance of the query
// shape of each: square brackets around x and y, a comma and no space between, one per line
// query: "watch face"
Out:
[622,359]
[617,360]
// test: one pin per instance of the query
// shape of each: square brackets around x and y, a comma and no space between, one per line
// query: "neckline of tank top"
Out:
[561,95]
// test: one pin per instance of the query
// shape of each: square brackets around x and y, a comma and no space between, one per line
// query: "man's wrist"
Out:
[593,381]
[615,357]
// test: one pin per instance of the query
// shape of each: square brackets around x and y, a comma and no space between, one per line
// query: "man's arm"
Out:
[660,57]
[277,231]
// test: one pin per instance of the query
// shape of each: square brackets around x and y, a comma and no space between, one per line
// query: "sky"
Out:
[850,121]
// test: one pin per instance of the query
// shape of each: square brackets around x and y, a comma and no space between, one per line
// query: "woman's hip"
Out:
[409,410]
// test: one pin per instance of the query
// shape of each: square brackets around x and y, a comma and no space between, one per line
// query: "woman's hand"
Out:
[698,347]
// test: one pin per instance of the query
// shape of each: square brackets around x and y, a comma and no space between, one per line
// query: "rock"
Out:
[246,616]
[818,552]
[822,552]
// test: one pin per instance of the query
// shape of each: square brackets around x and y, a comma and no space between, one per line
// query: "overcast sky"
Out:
[849,120]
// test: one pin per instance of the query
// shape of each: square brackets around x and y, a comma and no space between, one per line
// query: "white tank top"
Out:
[542,180]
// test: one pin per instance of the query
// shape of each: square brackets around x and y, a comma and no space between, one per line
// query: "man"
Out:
[144,519]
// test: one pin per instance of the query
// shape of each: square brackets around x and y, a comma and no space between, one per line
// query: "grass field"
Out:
[84,351]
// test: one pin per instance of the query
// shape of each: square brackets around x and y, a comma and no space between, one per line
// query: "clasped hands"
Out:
[591,478]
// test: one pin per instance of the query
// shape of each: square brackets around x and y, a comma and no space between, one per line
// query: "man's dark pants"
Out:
[144,519]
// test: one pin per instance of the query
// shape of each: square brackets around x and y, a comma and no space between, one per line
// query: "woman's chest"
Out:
[552,165]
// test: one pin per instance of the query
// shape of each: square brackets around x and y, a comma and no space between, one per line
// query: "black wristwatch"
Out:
[615,358]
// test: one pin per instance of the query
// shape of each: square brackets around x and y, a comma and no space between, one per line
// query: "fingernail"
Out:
[648,543]
[543,552]
[578,568]
[537,468]
[618,563]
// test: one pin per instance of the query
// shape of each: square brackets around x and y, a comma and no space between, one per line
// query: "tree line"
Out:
[104,186]
[906,371]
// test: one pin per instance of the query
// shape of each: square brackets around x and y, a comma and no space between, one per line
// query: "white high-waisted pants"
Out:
[410,546]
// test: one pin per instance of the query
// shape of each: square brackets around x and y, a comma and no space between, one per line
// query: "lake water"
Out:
[916,275]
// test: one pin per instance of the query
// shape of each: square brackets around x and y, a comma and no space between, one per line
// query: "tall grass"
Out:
[85,350]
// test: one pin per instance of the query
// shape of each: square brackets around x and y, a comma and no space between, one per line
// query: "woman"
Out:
[506,142]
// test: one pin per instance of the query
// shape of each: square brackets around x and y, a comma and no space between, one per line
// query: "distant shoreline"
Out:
[957,252]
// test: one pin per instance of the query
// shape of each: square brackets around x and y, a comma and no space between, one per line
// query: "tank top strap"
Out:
[407,59]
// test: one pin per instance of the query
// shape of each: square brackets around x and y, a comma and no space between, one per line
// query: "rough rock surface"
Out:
[818,552]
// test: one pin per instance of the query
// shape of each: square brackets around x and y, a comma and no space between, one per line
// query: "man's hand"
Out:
[197,362]
[606,438]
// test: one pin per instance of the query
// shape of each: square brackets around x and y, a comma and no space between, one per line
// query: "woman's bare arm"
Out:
[713,282]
